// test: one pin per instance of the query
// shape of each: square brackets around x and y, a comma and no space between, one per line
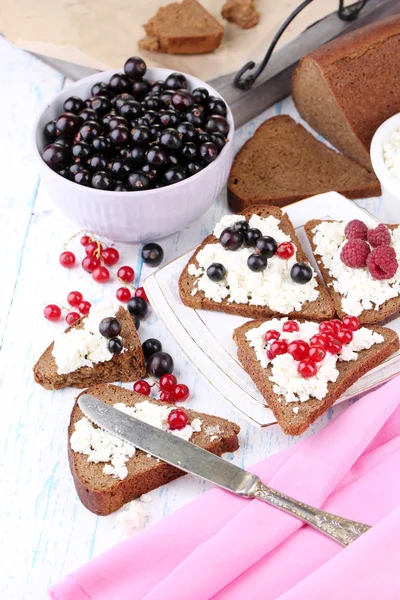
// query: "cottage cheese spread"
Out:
[359,290]
[288,382]
[83,347]
[272,287]
[131,520]
[391,153]
[101,446]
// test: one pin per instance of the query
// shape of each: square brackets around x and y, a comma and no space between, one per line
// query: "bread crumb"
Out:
[241,12]
[131,520]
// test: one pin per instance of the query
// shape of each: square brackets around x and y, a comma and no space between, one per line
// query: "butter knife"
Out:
[197,461]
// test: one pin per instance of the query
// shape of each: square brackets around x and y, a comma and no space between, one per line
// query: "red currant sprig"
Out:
[52,312]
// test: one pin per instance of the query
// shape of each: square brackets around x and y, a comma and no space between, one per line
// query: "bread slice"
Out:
[387,311]
[283,163]
[320,309]
[127,366]
[309,411]
[182,28]
[104,494]
[241,12]
[346,88]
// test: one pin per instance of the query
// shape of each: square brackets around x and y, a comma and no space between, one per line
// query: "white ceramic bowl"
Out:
[389,183]
[133,216]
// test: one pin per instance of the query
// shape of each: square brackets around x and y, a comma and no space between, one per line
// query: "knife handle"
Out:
[344,531]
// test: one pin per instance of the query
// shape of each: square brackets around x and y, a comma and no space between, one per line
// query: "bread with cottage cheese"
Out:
[319,309]
[126,366]
[387,311]
[102,493]
[295,417]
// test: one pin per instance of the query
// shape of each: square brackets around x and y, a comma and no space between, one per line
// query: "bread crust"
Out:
[309,411]
[388,311]
[103,494]
[370,187]
[126,366]
[320,309]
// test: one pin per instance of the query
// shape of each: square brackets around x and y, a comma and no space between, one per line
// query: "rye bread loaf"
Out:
[283,163]
[241,12]
[319,309]
[104,494]
[309,411]
[387,311]
[182,28]
[126,366]
[346,88]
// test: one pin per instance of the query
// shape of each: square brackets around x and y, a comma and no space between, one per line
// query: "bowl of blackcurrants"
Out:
[135,155]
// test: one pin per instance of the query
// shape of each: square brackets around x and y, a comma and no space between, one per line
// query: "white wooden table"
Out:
[44,530]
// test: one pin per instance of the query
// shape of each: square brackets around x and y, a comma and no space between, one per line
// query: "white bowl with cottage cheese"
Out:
[385,158]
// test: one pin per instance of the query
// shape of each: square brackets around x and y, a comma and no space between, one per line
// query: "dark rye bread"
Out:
[346,88]
[182,28]
[127,366]
[104,494]
[387,311]
[283,163]
[320,309]
[309,411]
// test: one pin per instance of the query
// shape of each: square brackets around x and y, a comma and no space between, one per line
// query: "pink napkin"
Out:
[223,547]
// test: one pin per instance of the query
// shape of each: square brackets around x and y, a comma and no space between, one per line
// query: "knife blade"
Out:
[195,460]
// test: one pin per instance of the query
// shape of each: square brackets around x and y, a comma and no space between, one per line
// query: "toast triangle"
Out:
[127,366]
[309,411]
[319,309]
[104,494]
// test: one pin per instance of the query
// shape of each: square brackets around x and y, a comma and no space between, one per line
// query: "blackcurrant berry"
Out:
[152,254]
[156,156]
[131,109]
[139,181]
[80,151]
[50,131]
[140,88]
[88,114]
[182,101]
[151,346]
[251,236]
[189,152]
[67,124]
[97,162]
[119,83]
[215,106]
[194,167]
[231,239]
[119,135]
[301,273]
[208,152]
[102,181]
[174,175]
[100,89]
[266,246]
[110,327]
[74,104]
[135,68]
[257,262]
[159,363]
[171,139]
[217,124]
[101,105]
[200,95]
[176,81]
[141,135]
[90,130]
[170,118]
[115,345]
[55,156]
[216,272]
[83,177]
[138,307]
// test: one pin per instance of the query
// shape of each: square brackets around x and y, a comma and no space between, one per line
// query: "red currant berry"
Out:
[298,349]
[351,323]
[291,326]
[333,346]
[327,337]
[285,250]
[317,353]
[72,318]
[123,294]
[166,397]
[337,325]
[278,347]
[90,263]
[180,392]
[307,368]
[317,340]
[140,293]
[345,336]
[85,239]
[84,307]
[270,355]
[94,249]
[74,298]
[326,326]
[67,259]
[101,274]
[142,387]
[110,256]
[52,312]
[177,419]
[272,334]
[168,382]
[126,274]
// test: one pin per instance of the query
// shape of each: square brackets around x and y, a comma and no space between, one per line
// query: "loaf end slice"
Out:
[309,411]
[283,163]
[126,366]
[103,494]
[182,28]
[241,12]
[320,309]
[388,311]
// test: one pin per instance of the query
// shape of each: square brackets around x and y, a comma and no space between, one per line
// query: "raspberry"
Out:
[354,253]
[380,236]
[356,229]
[382,262]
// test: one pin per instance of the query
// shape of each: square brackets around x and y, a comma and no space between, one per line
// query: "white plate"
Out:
[206,336]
